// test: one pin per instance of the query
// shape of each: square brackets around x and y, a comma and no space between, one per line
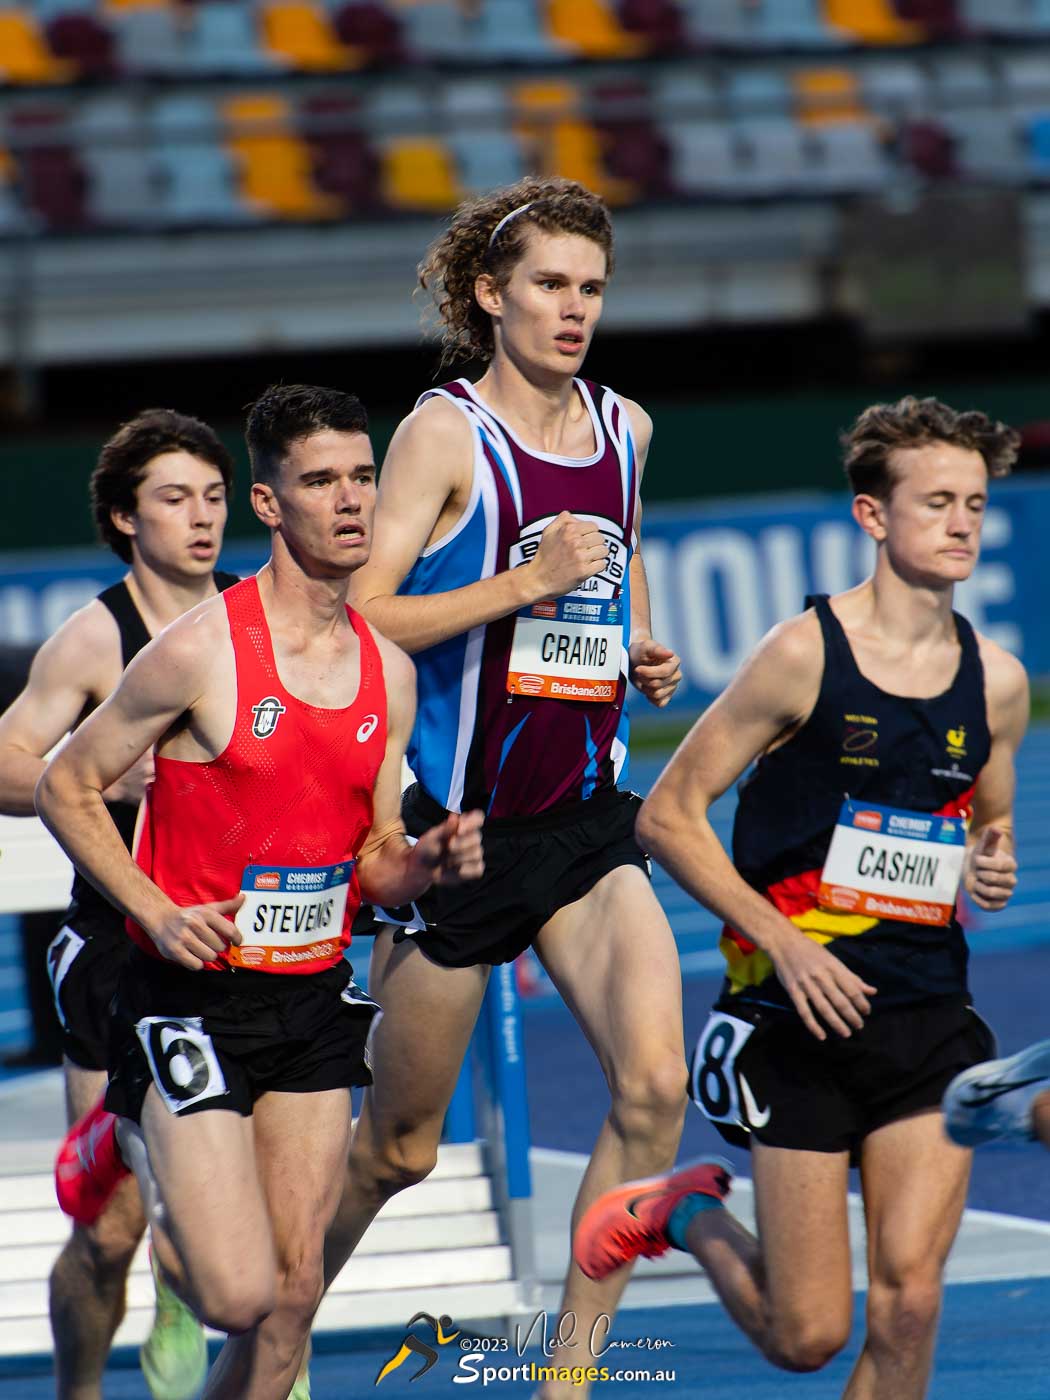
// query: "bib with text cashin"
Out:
[291,914]
[890,863]
[569,649]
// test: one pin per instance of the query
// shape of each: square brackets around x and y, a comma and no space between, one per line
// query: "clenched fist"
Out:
[570,551]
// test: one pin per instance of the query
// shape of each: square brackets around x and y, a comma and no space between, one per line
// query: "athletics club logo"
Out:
[266,714]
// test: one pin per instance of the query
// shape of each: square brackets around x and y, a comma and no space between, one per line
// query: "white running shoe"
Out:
[994,1100]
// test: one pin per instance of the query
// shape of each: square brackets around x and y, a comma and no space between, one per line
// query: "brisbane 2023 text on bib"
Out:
[894,864]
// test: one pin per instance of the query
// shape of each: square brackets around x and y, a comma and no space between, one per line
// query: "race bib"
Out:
[715,1085]
[890,863]
[291,914]
[182,1060]
[569,649]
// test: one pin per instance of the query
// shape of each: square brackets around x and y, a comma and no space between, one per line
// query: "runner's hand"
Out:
[991,874]
[570,551]
[820,985]
[451,853]
[655,671]
[192,937]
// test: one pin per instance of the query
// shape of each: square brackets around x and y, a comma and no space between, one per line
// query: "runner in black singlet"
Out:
[159,494]
[884,732]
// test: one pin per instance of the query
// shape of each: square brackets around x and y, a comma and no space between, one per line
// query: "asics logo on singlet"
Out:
[266,714]
[367,728]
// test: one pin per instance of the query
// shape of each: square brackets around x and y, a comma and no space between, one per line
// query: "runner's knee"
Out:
[397,1162]
[650,1094]
[107,1247]
[902,1313]
[797,1345]
[235,1301]
[301,1285]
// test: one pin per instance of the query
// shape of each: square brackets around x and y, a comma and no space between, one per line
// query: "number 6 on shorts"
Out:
[712,1075]
[182,1060]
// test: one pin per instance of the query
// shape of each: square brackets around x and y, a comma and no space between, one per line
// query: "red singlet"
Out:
[291,794]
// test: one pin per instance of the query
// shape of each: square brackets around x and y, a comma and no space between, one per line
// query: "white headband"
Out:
[506,220]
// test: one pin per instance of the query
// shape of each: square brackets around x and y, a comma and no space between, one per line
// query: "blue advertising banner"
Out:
[720,576]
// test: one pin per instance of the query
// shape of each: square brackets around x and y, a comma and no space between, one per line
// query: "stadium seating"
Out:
[122,174]
[418,174]
[52,179]
[318,110]
[274,164]
[24,53]
[345,164]
[300,35]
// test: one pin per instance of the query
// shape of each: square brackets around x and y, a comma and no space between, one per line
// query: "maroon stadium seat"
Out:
[53,182]
[83,40]
[362,24]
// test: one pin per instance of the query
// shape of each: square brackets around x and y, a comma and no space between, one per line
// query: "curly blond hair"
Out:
[910,422]
[467,248]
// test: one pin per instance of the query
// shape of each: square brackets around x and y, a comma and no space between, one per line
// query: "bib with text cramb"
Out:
[890,863]
[291,914]
[569,649]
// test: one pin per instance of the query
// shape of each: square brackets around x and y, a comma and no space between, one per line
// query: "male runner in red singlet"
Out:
[159,493]
[507,560]
[885,732]
[279,721]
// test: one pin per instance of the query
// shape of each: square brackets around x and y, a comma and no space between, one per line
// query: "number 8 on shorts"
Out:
[712,1075]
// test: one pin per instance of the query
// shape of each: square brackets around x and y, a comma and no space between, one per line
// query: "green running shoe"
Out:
[174,1359]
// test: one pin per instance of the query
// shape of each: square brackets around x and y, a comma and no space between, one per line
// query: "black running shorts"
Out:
[534,866]
[210,1040]
[777,1083]
[84,964]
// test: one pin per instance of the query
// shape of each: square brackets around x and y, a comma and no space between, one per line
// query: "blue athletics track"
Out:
[995,1335]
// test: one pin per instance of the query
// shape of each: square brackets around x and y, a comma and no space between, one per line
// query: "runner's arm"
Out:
[428,464]
[655,670]
[61,682]
[774,691]
[391,870]
[991,866]
[164,681]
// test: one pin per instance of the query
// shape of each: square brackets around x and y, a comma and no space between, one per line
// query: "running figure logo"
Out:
[266,714]
[442,1332]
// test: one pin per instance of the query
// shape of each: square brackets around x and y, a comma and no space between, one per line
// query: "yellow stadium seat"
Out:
[561,140]
[872,22]
[301,34]
[137,4]
[827,95]
[592,28]
[418,173]
[24,55]
[275,166]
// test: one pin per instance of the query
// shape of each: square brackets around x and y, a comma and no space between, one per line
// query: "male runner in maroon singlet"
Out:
[506,560]
[159,494]
[885,732]
[280,720]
